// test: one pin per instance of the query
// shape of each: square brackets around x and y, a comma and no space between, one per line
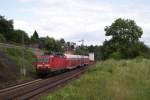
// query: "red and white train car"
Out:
[51,63]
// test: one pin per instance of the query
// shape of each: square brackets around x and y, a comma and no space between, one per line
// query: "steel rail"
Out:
[20,85]
[29,90]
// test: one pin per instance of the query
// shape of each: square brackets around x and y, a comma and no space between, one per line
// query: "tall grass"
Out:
[109,80]
[16,56]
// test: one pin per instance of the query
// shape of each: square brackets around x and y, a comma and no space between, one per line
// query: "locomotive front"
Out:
[43,64]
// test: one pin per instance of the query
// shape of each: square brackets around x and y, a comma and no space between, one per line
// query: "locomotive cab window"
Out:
[42,59]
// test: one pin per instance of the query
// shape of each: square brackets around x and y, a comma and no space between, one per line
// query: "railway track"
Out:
[20,85]
[34,88]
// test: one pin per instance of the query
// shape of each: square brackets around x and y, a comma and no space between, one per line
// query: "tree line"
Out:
[16,36]
[10,35]
[124,41]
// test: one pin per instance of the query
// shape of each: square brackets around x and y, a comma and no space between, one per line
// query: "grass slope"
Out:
[109,80]
[17,56]
[11,74]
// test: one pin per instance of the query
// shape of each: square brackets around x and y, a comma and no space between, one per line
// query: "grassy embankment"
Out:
[109,80]
[11,74]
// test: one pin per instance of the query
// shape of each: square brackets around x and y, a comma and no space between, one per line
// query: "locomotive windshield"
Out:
[42,60]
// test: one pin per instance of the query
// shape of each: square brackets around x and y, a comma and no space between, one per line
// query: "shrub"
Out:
[115,55]
[2,38]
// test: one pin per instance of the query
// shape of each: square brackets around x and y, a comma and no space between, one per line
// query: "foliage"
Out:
[52,45]
[17,56]
[144,50]
[123,44]
[82,50]
[42,42]
[124,31]
[8,33]
[124,40]
[58,46]
[109,80]
[62,41]
[49,44]
[19,35]
[35,37]
[13,76]
[2,38]
[115,55]
[98,53]
[6,27]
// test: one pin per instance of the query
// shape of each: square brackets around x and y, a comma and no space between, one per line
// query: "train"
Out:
[45,64]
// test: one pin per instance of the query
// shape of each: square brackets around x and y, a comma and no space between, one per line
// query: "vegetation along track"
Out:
[31,89]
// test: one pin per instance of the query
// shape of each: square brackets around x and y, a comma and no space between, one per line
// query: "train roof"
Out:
[75,56]
[44,56]
[66,55]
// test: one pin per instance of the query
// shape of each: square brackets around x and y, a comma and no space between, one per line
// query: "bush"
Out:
[109,80]
[16,56]
[2,38]
[125,52]
[115,55]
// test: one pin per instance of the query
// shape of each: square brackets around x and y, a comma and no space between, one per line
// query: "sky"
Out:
[75,20]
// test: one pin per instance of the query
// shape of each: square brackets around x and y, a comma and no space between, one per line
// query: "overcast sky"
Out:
[74,20]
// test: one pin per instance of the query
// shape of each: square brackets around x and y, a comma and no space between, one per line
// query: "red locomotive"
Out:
[50,63]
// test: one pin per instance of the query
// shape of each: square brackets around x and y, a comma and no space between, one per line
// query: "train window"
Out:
[42,59]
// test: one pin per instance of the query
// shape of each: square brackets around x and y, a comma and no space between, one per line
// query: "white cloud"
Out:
[22,25]
[77,19]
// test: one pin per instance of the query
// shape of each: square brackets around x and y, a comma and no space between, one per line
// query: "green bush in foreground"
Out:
[109,80]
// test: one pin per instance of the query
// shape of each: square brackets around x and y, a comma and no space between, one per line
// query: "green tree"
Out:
[63,44]
[124,31]
[49,44]
[91,48]
[52,45]
[18,36]
[82,50]
[97,52]
[58,46]
[124,35]
[41,42]
[35,37]
[62,41]
[6,27]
